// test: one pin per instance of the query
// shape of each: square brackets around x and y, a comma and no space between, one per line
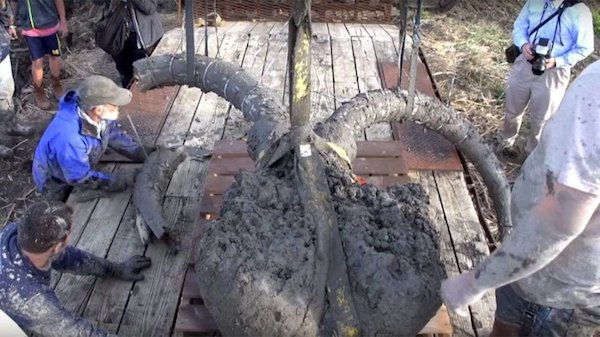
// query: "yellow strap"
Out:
[339,151]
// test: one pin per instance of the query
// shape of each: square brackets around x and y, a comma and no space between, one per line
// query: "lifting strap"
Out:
[189,42]
[414,57]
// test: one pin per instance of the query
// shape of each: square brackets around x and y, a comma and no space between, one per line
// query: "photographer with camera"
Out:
[552,36]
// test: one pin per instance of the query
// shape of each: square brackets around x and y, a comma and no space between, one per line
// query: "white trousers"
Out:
[543,93]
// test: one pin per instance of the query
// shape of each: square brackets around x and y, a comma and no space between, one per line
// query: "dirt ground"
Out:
[464,49]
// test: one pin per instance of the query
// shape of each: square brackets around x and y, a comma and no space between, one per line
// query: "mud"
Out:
[256,264]
[150,186]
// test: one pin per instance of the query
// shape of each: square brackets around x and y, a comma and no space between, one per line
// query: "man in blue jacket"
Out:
[83,128]
[29,249]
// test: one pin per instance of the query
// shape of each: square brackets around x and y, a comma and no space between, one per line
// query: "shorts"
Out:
[536,320]
[41,46]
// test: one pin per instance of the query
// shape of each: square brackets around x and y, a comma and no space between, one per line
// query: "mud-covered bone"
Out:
[256,264]
[227,80]
[360,112]
[150,187]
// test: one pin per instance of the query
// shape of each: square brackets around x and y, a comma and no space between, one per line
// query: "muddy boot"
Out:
[5,152]
[57,88]
[40,98]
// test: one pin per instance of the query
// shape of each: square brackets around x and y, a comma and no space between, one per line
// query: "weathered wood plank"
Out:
[345,80]
[72,290]
[393,32]
[153,304]
[253,63]
[462,326]
[468,239]
[109,297]
[228,149]
[322,92]
[182,111]
[181,114]
[376,32]
[355,29]
[365,59]
[208,124]
[274,74]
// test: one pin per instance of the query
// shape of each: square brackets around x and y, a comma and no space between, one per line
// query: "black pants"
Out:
[126,57]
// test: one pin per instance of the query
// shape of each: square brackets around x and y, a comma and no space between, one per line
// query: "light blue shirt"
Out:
[574,39]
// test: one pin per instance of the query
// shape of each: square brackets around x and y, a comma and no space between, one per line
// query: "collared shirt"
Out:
[25,292]
[574,38]
[100,127]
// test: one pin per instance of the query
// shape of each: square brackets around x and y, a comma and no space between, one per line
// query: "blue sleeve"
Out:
[124,144]
[44,315]
[584,40]
[521,27]
[75,164]
[79,262]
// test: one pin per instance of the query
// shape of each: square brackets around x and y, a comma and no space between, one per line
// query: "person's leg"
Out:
[547,93]
[124,60]
[509,309]
[37,52]
[8,117]
[7,89]
[52,43]
[518,93]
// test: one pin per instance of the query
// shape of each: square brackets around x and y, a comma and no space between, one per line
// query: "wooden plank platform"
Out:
[343,55]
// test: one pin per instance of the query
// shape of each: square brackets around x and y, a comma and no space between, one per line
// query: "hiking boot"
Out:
[57,88]
[19,129]
[5,152]
[40,98]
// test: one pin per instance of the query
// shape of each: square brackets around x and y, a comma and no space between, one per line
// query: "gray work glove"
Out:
[122,181]
[129,270]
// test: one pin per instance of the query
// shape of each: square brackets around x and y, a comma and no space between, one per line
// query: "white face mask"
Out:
[109,114]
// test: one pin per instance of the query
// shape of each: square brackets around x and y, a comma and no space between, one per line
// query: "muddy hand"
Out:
[460,291]
[130,269]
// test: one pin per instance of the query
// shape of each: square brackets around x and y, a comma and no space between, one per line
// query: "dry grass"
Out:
[465,51]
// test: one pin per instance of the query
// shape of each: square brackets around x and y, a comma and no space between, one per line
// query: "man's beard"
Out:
[48,265]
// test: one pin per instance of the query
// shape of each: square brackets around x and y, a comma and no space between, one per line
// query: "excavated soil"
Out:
[255,265]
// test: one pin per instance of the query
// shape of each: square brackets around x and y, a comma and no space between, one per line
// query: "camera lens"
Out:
[538,65]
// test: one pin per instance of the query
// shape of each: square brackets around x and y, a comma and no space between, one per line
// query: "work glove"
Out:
[139,155]
[458,292]
[129,270]
[116,185]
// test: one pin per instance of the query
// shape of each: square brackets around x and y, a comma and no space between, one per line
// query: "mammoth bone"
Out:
[300,249]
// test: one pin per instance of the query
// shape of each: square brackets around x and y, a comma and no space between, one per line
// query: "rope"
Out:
[206,28]
[414,57]
[189,42]
[402,24]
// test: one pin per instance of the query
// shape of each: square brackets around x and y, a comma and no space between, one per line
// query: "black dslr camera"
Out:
[541,54]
